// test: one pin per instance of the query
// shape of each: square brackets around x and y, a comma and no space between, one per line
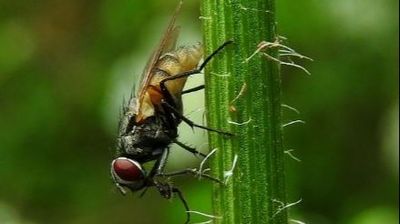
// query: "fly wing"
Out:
[166,44]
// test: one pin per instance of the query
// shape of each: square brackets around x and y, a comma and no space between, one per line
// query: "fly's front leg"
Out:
[158,169]
[159,165]
[200,172]
[185,204]
[193,172]
[166,190]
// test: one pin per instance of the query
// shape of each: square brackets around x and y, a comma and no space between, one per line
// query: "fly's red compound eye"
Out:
[126,171]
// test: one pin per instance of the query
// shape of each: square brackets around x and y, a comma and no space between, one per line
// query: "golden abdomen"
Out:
[181,60]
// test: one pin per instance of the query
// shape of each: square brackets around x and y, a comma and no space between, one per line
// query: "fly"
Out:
[150,119]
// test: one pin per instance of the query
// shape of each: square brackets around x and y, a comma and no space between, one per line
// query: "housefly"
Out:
[150,119]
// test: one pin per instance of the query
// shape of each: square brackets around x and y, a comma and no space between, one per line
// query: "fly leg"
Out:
[194,89]
[159,165]
[194,172]
[169,103]
[185,204]
[188,148]
[191,123]
[166,190]
[156,170]
[195,71]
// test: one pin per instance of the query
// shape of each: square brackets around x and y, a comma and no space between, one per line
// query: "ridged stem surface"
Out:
[244,97]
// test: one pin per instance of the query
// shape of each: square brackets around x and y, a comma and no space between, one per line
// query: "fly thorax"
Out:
[127,144]
[143,139]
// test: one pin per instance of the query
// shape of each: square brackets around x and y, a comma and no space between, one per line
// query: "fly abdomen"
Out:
[179,61]
[189,57]
[176,62]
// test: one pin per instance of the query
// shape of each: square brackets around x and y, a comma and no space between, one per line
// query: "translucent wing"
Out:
[166,44]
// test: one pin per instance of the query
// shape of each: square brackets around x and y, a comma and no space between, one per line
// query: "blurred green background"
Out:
[66,65]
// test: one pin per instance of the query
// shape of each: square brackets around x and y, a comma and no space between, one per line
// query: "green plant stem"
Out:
[256,192]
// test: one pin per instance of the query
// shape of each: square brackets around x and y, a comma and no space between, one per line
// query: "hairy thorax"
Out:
[146,141]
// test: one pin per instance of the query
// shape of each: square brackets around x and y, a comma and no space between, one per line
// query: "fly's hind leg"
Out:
[194,89]
[169,103]
[192,72]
